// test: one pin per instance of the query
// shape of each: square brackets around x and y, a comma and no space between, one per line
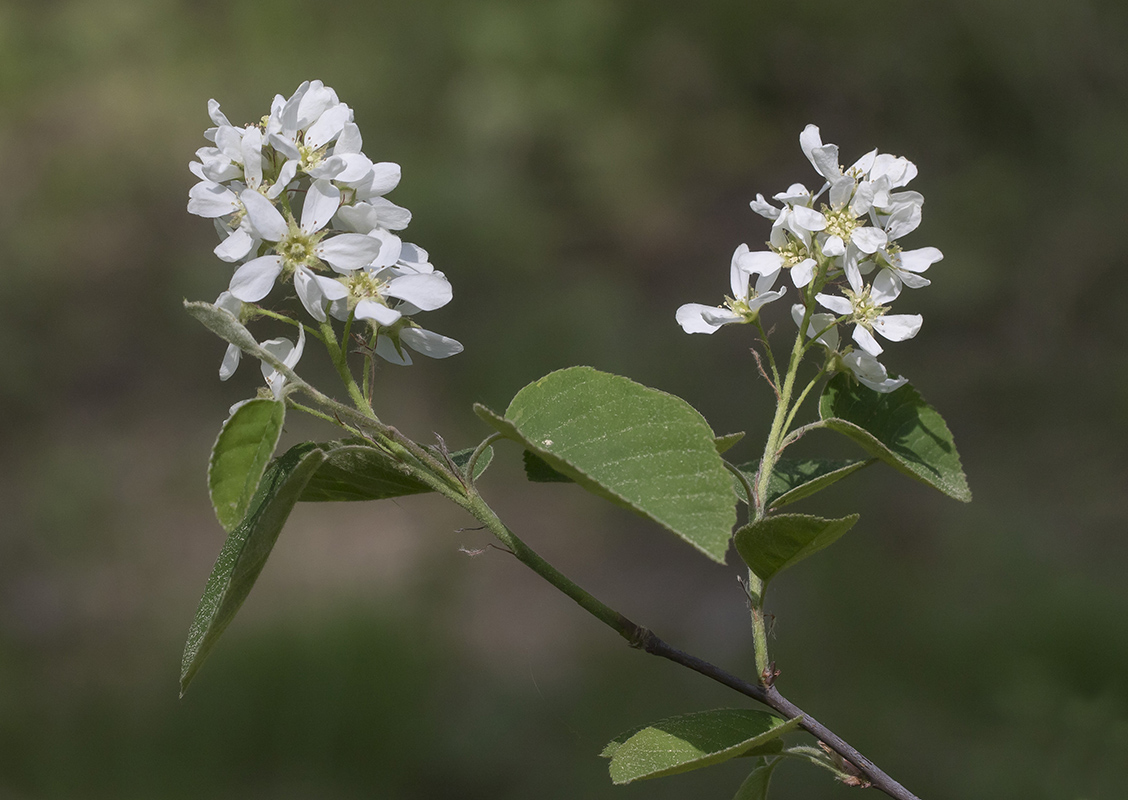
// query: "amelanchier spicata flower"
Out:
[746,301]
[295,200]
[840,245]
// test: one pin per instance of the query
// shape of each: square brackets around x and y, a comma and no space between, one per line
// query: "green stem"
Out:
[474,503]
[799,400]
[263,312]
[340,361]
[768,348]
[313,412]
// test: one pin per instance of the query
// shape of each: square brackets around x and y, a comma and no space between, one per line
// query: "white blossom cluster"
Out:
[842,237]
[295,200]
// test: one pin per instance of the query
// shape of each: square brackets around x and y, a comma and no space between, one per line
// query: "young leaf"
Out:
[240,455]
[641,448]
[355,470]
[691,741]
[728,441]
[900,428]
[245,552]
[793,479]
[776,543]
[755,786]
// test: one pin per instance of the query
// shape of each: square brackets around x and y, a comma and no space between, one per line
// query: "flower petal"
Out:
[803,272]
[691,317]
[429,343]
[868,239]
[321,203]
[264,217]
[839,305]
[764,208]
[309,292]
[209,200]
[425,292]
[866,341]
[377,312]
[898,327]
[386,349]
[328,126]
[808,219]
[348,251]
[230,362]
[254,280]
[385,177]
[918,260]
[886,287]
[236,246]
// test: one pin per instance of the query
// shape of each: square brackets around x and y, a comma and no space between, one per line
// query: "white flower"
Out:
[300,249]
[302,127]
[745,303]
[286,352]
[870,372]
[868,314]
[370,294]
[389,345]
[902,268]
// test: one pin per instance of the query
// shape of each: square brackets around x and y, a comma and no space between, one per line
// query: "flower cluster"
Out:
[845,237]
[295,200]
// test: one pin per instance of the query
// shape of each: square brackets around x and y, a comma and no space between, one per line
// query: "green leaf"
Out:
[728,441]
[355,470]
[755,786]
[793,479]
[537,470]
[641,448]
[691,741]
[245,552]
[776,543]
[899,428]
[240,455]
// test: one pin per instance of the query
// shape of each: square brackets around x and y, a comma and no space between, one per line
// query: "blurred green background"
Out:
[578,169]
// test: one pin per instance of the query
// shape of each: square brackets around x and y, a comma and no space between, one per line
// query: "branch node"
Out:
[849,774]
[642,639]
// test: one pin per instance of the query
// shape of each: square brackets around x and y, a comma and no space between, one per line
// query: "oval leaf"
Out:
[776,543]
[691,741]
[900,428]
[795,478]
[641,448]
[355,470]
[240,455]
[245,552]
[755,786]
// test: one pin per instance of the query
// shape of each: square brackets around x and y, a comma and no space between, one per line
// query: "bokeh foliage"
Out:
[578,169]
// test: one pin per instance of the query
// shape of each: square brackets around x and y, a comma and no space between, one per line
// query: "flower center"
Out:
[792,253]
[865,309]
[310,156]
[840,223]
[297,248]
[363,285]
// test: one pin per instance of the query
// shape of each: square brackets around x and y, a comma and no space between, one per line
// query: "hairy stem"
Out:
[339,358]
